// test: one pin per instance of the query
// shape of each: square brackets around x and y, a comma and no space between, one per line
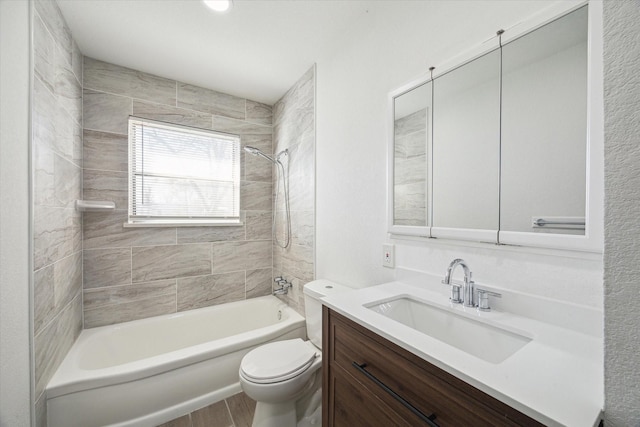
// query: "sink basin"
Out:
[482,340]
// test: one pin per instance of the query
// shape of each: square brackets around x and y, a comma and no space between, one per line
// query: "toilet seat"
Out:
[277,361]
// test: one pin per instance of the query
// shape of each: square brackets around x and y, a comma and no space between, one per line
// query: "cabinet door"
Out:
[395,378]
[354,405]
[424,391]
[466,148]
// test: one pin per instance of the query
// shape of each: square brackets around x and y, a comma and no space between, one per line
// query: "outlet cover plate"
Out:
[388,256]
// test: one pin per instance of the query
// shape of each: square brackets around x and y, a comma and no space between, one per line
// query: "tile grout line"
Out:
[133,98]
[233,422]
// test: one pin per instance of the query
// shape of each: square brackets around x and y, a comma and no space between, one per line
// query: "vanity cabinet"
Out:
[370,381]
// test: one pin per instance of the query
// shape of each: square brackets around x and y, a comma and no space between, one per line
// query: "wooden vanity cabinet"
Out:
[370,381]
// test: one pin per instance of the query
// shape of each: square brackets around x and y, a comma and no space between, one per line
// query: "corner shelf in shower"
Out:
[94,205]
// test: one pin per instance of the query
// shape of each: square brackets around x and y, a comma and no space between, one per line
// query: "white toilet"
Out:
[277,374]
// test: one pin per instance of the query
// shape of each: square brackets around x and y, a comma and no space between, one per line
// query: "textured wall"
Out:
[133,273]
[622,211]
[57,180]
[294,129]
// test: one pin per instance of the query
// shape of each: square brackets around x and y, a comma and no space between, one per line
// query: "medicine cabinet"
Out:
[505,147]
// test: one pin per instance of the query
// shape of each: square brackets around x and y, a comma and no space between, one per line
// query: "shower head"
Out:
[257,152]
[252,150]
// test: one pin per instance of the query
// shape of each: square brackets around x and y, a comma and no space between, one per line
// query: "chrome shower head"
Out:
[252,150]
[257,152]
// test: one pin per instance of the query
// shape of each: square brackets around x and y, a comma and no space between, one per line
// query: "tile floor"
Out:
[235,411]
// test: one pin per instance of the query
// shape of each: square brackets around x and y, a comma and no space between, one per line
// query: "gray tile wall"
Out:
[410,157]
[57,183]
[294,129]
[91,271]
[133,273]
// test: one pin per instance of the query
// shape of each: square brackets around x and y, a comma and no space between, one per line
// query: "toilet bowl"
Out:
[279,370]
[278,374]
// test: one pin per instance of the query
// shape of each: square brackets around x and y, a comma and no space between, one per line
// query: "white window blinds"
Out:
[179,174]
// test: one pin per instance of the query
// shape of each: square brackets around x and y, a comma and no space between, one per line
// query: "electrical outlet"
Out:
[388,256]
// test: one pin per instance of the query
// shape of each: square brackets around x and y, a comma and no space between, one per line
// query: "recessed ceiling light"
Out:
[218,5]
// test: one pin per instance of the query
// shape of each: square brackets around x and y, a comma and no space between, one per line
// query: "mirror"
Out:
[505,148]
[411,137]
[466,145]
[544,128]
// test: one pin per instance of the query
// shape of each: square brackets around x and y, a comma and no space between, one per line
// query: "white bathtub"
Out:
[147,372]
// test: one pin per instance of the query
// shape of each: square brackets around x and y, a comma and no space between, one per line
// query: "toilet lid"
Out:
[277,361]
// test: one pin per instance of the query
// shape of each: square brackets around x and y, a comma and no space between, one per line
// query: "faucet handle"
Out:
[483,299]
[455,291]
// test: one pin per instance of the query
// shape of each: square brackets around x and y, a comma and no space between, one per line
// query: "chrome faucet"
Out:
[467,285]
[472,296]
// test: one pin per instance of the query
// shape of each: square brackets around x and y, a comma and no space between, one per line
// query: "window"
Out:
[182,176]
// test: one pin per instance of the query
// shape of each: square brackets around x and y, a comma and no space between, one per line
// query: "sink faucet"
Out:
[467,284]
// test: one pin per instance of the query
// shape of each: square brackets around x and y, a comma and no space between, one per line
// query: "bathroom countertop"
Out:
[556,378]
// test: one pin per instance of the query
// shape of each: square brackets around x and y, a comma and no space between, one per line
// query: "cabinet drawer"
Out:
[420,384]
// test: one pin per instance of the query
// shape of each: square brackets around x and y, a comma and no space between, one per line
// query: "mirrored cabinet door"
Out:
[411,127]
[466,146]
[544,128]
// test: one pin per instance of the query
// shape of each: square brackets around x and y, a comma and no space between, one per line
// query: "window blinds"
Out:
[182,174]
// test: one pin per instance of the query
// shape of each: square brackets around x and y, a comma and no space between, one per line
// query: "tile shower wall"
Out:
[294,129]
[57,183]
[133,273]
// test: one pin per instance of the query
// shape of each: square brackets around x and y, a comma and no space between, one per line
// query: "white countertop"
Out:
[556,378]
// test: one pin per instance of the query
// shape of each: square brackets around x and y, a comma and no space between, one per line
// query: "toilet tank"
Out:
[313,291]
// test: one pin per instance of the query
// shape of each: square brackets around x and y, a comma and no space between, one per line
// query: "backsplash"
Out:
[133,273]
[294,129]
[57,183]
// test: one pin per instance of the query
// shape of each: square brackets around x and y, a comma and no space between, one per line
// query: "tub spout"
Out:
[281,291]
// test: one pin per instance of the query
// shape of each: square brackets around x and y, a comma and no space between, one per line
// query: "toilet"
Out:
[278,374]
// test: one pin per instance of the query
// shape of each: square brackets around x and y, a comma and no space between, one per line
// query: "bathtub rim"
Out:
[69,377]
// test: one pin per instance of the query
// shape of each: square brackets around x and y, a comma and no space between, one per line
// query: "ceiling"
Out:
[258,50]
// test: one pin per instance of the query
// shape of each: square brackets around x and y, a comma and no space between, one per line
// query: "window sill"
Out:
[158,224]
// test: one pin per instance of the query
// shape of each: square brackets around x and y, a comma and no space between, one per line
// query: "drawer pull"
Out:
[426,418]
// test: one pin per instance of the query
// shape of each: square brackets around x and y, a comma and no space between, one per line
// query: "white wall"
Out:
[622,212]
[15,367]
[394,43]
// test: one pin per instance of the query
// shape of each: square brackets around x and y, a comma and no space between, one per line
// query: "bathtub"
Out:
[147,372]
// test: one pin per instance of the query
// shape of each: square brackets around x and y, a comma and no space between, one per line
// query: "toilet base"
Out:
[275,414]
